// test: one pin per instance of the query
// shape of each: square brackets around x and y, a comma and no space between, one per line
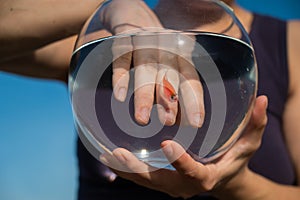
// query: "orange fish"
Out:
[169,90]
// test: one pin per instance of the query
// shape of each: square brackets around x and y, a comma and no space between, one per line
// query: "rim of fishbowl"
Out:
[245,39]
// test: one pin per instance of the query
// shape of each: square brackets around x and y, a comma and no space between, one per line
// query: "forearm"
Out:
[51,61]
[252,186]
[24,65]
[26,25]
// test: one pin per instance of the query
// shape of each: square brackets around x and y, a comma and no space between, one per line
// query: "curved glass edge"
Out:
[98,26]
[224,148]
[165,31]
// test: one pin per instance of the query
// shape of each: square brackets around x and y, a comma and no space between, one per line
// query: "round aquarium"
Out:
[143,72]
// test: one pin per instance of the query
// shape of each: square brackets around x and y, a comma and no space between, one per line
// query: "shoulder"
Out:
[292,114]
[293,45]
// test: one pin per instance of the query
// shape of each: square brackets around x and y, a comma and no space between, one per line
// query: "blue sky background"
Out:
[37,138]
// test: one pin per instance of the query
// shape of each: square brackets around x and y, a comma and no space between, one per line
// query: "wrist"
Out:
[240,186]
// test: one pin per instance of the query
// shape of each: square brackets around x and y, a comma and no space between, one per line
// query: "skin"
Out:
[43,32]
[147,72]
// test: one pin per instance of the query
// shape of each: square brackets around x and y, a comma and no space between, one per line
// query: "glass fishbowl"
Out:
[143,72]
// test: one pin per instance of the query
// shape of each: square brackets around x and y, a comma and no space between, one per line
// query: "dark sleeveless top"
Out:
[271,160]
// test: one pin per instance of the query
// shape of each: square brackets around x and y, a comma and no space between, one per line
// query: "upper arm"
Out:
[291,116]
[26,25]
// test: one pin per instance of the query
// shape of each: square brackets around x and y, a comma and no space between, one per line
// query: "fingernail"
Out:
[196,120]
[170,117]
[122,94]
[111,177]
[144,114]
[266,103]
[103,159]
[168,150]
[121,158]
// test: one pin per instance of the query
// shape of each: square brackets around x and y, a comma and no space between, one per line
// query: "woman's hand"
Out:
[191,177]
[161,66]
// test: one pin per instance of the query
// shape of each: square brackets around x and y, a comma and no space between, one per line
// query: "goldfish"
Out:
[169,90]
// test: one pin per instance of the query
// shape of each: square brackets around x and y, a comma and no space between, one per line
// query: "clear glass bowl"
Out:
[203,36]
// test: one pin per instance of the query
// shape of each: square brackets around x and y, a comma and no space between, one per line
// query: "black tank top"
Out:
[272,160]
[268,36]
